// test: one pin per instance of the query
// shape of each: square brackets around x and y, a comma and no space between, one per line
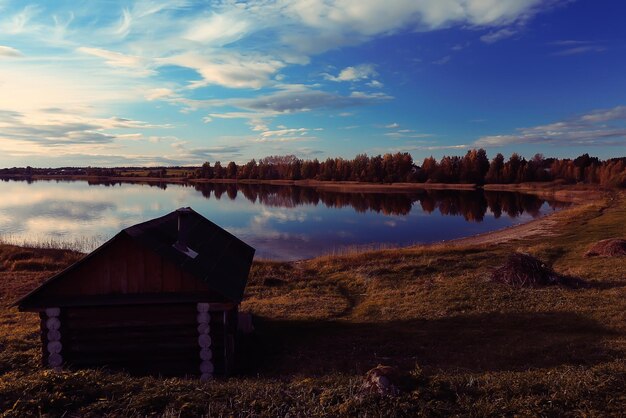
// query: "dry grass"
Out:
[19,259]
[607,248]
[475,347]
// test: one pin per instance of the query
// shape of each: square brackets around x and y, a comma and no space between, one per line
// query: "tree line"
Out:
[473,168]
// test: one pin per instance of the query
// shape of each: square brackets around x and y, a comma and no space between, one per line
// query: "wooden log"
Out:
[204,328]
[54,335]
[54,347]
[119,346]
[138,358]
[203,318]
[206,367]
[206,354]
[204,341]
[53,312]
[106,324]
[55,360]
[205,377]
[125,334]
[123,312]
[53,324]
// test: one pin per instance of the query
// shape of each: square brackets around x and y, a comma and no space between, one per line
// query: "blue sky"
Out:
[150,82]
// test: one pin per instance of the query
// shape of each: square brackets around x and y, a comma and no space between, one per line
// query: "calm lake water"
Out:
[281,222]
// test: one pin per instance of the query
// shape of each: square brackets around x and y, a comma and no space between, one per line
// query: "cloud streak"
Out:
[606,127]
[356,73]
[7,51]
[576,47]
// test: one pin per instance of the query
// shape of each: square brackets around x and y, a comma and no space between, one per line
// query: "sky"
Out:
[180,82]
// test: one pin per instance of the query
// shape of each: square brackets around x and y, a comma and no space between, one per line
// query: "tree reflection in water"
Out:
[471,204]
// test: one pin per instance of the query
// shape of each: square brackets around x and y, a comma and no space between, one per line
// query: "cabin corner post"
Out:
[51,335]
[204,341]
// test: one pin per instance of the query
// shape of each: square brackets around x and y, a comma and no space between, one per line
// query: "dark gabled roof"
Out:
[222,260]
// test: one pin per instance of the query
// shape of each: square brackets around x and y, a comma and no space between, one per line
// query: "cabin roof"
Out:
[217,257]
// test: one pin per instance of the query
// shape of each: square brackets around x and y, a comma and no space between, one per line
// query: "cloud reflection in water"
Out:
[280,222]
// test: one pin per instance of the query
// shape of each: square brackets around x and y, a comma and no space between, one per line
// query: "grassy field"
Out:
[469,346]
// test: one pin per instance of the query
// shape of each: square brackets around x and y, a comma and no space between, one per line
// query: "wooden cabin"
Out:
[160,297]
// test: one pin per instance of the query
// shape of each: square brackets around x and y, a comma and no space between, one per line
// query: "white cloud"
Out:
[616,113]
[40,130]
[587,130]
[125,23]
[292,101]
[498,35]
[356,73]
[258,125]
[284,132]
[580,50]
[138,65]
[576,47]
[440,147]
[407,133]
[7,51]
[292,31]
[373,17]
[20,21]
[159,93]
[218,29]
[392,125]
[227,69]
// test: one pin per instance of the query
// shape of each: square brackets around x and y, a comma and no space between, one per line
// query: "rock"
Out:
[382,380]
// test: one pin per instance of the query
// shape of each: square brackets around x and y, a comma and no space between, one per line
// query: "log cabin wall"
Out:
[159,339]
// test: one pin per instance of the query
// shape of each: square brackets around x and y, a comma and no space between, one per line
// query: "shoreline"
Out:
[543,225]
[552,189]
[574,194]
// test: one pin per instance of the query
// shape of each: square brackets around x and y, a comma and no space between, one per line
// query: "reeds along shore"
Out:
[470,346]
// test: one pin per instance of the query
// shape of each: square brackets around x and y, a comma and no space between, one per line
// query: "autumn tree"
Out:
[231,170]
[218,170]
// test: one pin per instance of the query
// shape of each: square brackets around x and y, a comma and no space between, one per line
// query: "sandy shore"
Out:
[545,226]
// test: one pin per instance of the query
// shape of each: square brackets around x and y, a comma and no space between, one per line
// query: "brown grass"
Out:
[18,259]
[475,347]
[613,247]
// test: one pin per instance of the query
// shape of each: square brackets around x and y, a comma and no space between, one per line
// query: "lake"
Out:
[281,222]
